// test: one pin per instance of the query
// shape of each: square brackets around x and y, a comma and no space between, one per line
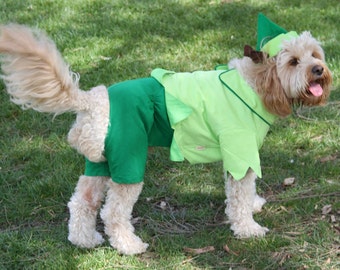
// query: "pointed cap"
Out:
[270,35]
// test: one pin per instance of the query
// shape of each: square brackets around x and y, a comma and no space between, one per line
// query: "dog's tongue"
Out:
[315,89]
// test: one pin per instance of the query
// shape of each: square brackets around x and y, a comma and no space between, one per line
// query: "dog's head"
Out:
[302,71]
[297,74]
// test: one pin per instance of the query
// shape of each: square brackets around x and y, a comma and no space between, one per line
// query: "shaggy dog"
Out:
[37,77]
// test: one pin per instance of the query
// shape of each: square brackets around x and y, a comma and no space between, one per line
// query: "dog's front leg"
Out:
[83,206]
[116,215]
[242,201]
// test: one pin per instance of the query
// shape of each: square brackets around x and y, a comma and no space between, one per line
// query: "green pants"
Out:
[138,119]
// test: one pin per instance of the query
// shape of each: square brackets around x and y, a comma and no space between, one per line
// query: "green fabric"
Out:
[270,36]
[274,46]
[138,119]
[215,116]
[205,116]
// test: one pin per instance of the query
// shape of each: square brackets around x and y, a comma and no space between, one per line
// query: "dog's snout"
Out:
[317,70]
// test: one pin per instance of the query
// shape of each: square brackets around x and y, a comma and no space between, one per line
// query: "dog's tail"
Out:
[35,73]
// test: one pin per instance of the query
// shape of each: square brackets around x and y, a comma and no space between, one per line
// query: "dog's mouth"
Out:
[315,89]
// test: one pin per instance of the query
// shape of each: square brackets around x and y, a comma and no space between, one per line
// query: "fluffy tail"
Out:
[35,74]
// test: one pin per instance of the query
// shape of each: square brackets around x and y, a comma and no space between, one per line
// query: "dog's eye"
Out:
[294,62]
[316,55]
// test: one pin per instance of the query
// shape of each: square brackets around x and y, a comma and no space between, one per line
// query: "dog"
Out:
[164,113]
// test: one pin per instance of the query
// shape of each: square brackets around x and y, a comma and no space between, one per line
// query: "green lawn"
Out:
[181,206]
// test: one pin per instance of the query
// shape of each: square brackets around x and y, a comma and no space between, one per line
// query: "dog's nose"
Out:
[317,70]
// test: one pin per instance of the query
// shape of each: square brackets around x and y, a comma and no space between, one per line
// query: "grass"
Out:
[181,206]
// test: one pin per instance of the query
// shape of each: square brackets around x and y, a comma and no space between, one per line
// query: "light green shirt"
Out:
[215,116]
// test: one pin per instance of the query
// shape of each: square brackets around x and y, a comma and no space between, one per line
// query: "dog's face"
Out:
[302,71]
[296,75]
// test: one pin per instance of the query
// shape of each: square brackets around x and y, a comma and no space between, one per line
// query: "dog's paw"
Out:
[247,230]
[132,249]
[86,241]
[258,203]
[129,245]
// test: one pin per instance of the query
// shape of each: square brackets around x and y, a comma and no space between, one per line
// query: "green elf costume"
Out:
[203,116]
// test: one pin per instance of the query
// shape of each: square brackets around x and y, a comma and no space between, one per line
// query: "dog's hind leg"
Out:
[116,215]
[83,206]
[242,201]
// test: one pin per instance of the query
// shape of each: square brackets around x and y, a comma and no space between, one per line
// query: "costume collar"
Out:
[233,81]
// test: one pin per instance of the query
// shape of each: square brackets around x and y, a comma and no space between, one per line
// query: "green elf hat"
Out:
[270,36]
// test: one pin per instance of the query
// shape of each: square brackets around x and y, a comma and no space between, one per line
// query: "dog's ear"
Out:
[272,93]
[256,56]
